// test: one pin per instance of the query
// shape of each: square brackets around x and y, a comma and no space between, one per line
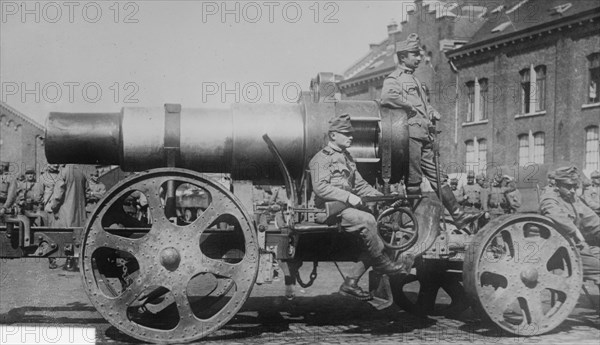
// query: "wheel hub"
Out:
[529,276]
[170,258]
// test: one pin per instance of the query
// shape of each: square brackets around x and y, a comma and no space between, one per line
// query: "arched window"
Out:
[482,157]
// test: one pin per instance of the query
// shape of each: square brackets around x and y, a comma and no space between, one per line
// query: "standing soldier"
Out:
[68,200]
[5,183]
[335,178]
[402,90]
[591,194]
[458,194]
[471,194]
[94,192]
[574,218]
[513,195]
[48,180]
[497,202]
[484,191]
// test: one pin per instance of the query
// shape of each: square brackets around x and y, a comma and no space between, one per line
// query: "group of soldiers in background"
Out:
[57,200]
[496,199]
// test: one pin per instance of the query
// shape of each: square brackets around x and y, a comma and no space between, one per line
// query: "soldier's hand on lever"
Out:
[354,200]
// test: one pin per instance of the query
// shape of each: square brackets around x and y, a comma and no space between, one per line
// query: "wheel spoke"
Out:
[500,302]
[500,266]
[516,235]
[206,218]
[555,282]
[534,314]
[547,248]
[102,238]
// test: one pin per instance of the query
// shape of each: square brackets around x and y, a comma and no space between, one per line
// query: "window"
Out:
[476,155]
[532,92]
[540,89]
[477,95]
[483,99]
[594,75]
[482,156]
[525,92]
[470,159]
[538,148]
[531,148]
[592,149]
[523,149]
[470,101]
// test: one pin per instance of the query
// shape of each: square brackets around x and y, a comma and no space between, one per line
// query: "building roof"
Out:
[509,19]
[8,109]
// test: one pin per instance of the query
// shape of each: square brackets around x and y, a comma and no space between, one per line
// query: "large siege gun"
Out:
[174,276]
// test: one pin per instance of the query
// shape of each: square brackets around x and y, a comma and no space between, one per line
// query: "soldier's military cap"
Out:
[411,44]
[595,174]
[567,175]
[507,178]
[454,180]
[480,177]
[551,175]
[30,171]
[341,123]
[471,173]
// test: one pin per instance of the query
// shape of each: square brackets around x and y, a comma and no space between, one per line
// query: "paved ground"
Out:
[30,294]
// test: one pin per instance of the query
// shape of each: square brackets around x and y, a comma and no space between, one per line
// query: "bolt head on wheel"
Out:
[170,258]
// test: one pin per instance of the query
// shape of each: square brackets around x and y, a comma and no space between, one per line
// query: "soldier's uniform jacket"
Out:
[95,190]
[48,179]
[401,89]
[497,201]
[23,192]
[514,200]
[472,195]
[334,176]
[5,182]
[458,194]
[591,197]
[571,216]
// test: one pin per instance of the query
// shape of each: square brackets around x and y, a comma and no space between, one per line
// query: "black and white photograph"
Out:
[299,172]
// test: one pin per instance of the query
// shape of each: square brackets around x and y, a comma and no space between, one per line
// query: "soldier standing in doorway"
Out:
[402,90]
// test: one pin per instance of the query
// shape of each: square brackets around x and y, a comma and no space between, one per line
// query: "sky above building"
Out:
[99,56]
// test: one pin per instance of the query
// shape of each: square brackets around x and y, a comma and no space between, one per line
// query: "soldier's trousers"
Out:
[364,224]
[590,259]
[421,162]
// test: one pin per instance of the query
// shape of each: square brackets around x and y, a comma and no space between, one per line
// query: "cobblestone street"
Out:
[32,295]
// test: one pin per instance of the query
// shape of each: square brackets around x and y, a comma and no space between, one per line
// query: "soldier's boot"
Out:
[460,217]
[383,264]
[350,288]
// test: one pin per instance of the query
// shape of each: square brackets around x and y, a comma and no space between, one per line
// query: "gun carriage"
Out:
[170,278]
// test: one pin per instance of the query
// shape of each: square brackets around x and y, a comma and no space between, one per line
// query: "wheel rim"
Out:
[397,227]
[525,274]
[194,275]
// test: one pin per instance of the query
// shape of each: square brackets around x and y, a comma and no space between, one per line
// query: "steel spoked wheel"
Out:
[398,228]
[524,273]
[166,280]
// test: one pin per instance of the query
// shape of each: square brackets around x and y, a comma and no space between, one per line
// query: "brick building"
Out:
[528,85]
[522,87]
[21,141]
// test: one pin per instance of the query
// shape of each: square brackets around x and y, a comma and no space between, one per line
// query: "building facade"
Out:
[529,98]
[21,141]
[516,82]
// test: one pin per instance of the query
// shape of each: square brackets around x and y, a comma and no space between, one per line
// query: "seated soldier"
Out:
[335,178]
[576,219]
